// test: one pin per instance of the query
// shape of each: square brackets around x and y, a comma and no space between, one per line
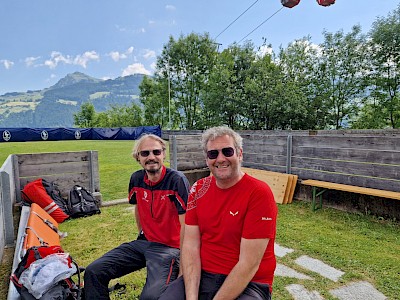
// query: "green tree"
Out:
[155,99]
[384,78]
[124,116]
[342,69]
[225,95]
[300,65]
[85,118]
[186,64]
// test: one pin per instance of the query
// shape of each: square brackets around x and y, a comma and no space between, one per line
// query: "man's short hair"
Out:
[143,137]
[215,132]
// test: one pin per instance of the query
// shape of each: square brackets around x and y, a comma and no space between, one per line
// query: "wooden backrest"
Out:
[64,168]
[186,153]
[371,161]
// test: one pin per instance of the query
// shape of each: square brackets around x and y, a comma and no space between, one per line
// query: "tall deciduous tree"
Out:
[225,96]
[85,118]
[154,97]
[186,63]
[300,64]
[342,70]
[384,81]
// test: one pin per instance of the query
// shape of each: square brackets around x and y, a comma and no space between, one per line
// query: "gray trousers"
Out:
[209,286]
[162,264]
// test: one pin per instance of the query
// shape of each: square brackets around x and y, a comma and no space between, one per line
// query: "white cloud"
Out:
[55,58]
[149,54]
[7,63]
[153,66]
[135,68]
[83,59]
[170,7]
[29,61]
[80,60]
[116,56]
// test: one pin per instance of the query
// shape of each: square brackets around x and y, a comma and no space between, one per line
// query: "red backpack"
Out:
[65,287]
[47,196]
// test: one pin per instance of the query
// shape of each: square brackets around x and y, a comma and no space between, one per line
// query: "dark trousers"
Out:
[162,264]
[209,286]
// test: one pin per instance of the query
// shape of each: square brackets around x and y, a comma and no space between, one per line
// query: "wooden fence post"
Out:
[173,153]
[289,154]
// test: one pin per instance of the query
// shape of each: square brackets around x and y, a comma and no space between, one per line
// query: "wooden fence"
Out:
[369,158]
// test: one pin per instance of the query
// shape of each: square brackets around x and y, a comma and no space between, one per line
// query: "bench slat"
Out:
[352,189]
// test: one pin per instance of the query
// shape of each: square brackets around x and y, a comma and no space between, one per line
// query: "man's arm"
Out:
[139,226]
[182,234]
[191,261]
[251,254]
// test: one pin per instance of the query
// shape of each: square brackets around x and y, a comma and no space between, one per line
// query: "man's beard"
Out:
[153,171]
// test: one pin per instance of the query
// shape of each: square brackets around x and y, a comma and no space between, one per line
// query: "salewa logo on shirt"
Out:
[234,214]
[266,219]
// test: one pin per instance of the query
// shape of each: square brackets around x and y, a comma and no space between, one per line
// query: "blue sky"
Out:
[41,41]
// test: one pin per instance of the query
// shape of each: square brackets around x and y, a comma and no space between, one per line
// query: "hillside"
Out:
[55,106]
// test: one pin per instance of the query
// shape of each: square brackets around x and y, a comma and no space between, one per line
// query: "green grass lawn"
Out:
[364,247]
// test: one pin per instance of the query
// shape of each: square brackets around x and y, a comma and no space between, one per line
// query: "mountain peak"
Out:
[74,78]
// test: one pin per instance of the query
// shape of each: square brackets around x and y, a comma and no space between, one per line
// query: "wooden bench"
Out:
[319,187]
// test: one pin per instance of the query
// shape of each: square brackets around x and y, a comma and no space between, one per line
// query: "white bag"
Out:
[44,273]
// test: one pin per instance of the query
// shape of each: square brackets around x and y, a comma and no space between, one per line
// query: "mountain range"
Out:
[55,106]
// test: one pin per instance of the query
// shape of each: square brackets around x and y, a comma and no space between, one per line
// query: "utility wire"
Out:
[235,19]
[261,24]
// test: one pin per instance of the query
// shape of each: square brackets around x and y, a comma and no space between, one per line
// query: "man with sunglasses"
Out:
[228,249]
[160,196]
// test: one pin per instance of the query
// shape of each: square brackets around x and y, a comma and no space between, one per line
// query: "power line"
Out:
[235,19]
[261,24]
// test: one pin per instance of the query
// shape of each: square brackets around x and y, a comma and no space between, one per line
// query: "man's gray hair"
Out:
[139,142]
[215,132]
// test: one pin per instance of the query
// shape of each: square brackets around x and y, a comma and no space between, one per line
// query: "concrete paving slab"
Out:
[281,251]
[319,267]
[284,271]
[362,290]
[299,292]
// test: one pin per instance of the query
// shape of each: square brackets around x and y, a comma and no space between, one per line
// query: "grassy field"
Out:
[364,247]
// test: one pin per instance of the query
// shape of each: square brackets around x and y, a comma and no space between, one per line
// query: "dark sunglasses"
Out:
[146,153]
[227,152]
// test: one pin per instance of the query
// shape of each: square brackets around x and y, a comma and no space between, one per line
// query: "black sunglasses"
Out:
[227,152]
[146,153]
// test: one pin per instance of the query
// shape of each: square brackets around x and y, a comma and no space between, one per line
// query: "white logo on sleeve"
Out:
[266,219]
[234,214]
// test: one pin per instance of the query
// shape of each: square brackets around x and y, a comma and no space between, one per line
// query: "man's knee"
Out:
[175,290]
[96,270]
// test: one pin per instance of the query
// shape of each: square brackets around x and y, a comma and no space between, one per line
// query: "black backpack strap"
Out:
[25,200]
[117,287]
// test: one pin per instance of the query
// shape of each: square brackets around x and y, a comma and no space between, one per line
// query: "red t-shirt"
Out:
[224,216]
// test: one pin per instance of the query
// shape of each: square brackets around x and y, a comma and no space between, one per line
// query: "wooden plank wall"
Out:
[64,168]
[186,153]
[361,158]
[366,161]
